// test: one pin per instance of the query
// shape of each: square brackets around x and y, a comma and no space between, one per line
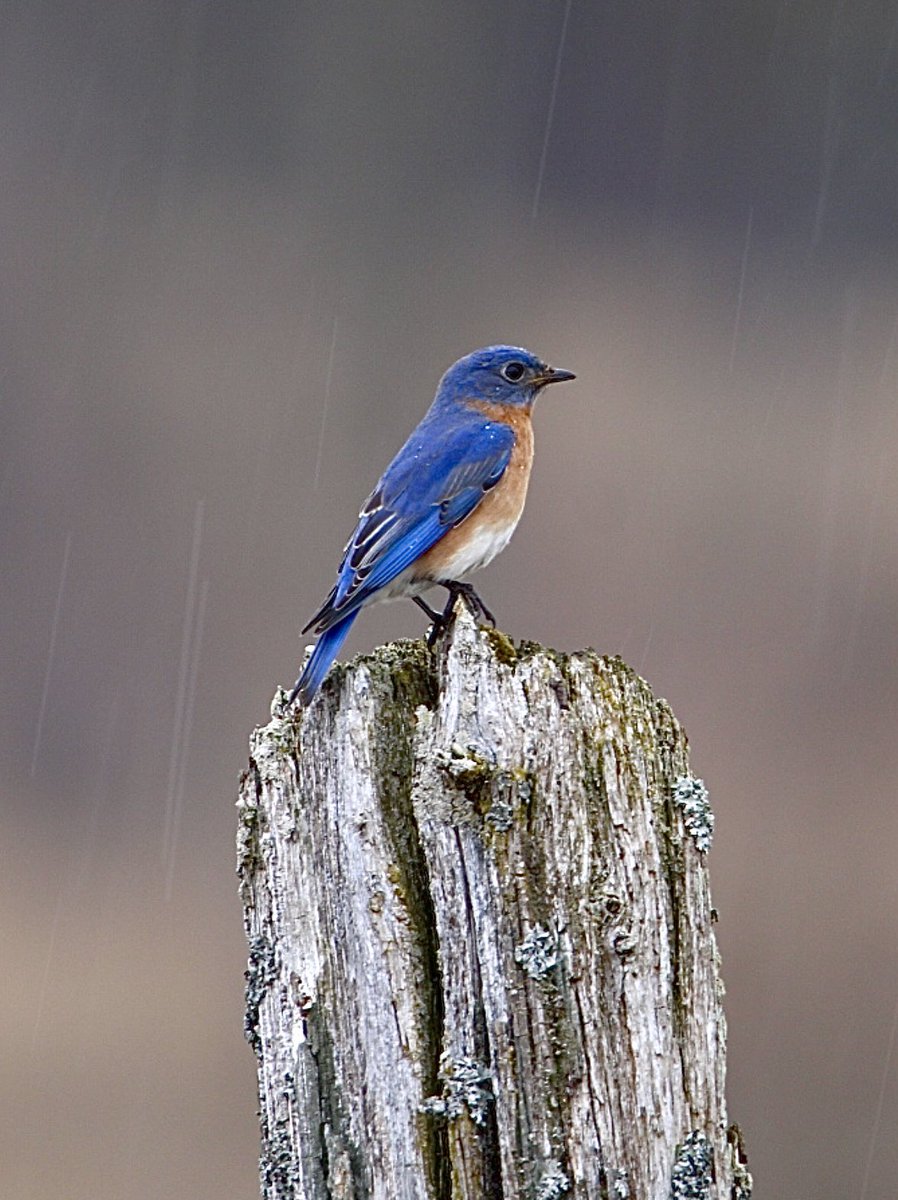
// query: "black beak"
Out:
[555,375]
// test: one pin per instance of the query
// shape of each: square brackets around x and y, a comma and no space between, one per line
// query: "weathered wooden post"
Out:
[481,951]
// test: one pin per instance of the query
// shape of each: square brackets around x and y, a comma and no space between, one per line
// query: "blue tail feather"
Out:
[326,650]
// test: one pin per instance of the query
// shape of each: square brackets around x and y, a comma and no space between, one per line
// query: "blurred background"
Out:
[239,244]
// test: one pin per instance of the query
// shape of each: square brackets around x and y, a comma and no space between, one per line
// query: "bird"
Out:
[446,505]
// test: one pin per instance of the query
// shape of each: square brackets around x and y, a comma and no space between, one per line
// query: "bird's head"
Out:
[499,374]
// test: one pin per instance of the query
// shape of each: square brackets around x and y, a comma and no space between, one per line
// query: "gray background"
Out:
[239,244]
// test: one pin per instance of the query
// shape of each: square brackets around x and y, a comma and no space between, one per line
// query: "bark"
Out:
[481,951]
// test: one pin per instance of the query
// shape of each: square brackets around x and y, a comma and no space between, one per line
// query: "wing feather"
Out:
[436,481]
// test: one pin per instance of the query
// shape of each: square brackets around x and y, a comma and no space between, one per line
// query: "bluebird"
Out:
[447,503]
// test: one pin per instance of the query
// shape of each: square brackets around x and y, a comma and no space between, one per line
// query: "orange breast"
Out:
[486,531]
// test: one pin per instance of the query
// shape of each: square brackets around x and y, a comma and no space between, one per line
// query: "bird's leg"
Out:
[473,601]
[432,613]
[437,620]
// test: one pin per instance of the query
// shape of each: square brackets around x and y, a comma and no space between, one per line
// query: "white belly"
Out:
[476,551]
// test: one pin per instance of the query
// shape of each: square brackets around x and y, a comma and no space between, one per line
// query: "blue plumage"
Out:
[454,458]
[320,660]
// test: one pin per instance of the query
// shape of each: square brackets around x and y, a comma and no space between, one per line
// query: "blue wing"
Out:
[436,480]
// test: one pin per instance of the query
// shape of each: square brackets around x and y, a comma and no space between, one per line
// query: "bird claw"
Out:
[474,603]
[440,621]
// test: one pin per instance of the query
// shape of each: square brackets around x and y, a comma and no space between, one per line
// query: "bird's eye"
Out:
[513,372]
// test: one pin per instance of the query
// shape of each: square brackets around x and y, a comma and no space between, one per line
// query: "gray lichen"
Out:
[538,953]
[691,1175]
[553,1183]
[742,1183]
[261,971]
[463,1090]
[620,1185]
[691,795]
[500,815]
[277,1163]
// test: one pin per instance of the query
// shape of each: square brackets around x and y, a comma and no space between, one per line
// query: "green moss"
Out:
[502,647]
[283,737]
[527,650]
[249,854]
[334,1112]
[406,668]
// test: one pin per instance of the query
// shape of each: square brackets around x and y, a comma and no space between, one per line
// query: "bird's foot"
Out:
[440,621]
[473,601]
